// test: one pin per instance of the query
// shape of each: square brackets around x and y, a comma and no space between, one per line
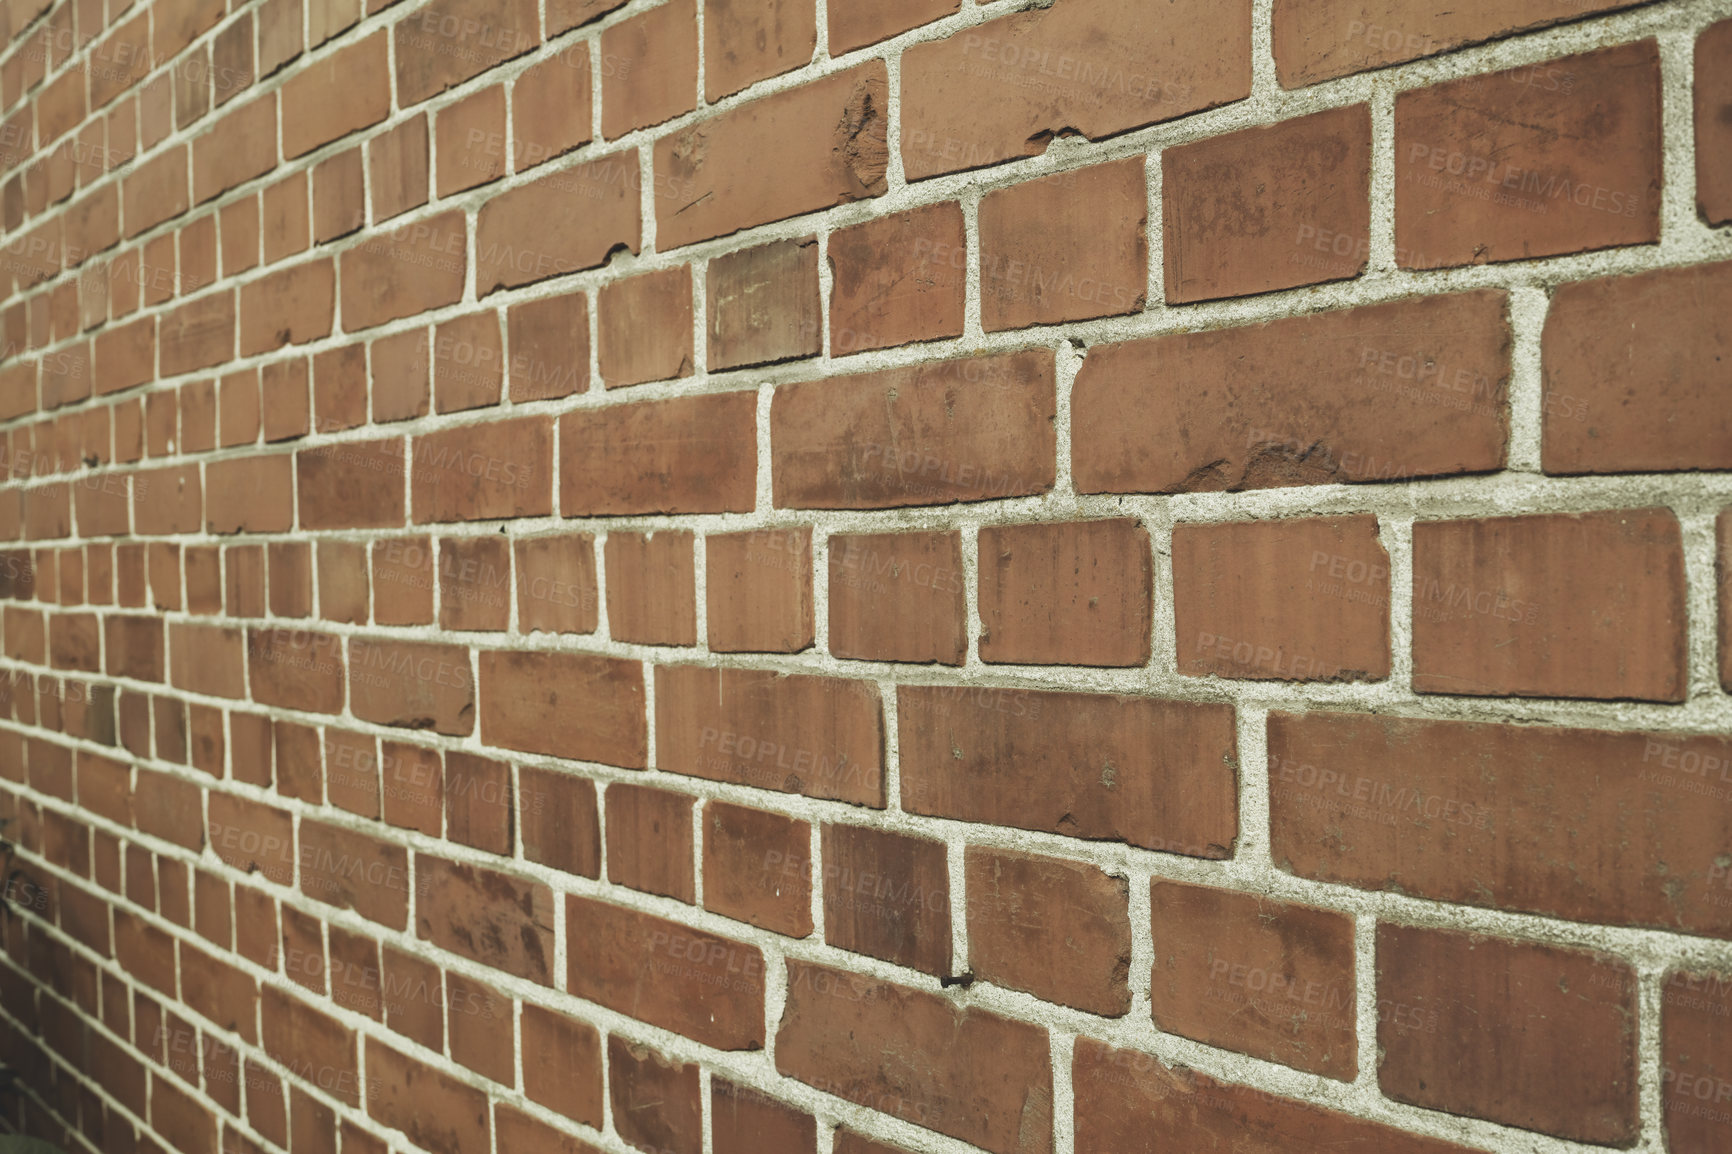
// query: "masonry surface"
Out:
[861,576]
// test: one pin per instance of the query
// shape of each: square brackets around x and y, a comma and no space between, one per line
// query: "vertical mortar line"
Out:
[1154,231]
[701,586]
[1396,532]
[697,802]
[970,532]
[1252,850]
[603,627]
[969,198]
[892,747]
[821,54]
[592,380]
[701,103]
[707,1123]
[1701,611]
[815,866]
[701,324]
[820,575]
[826,285]
[1382,257]
[1527,318]
[1365,999]
[895,176]
[1680,225]
[597,64]
[646,198]
[1264,82]
[956,861]
[1067,363]
[649,705]
[1164,648]
[1650,1057]
[1063,1093]
[1141,976]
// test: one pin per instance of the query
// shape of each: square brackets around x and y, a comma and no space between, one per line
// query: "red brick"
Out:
[1403,804]
[562,1064]
[898,597]
[470,141]
[468,362]
[1059,930]
[1695,1060]
[1066,247]
[563,15]
[549,347]
[763,305]
[854,26]
[335,95]
[413,785]
[408,270]
[564,705]
[124,356]
[343,582]
[296,669]
[757,868]
[474,583]
[252,494]
[397,169]
[339,195]
[253,838]
[557,590]
[1300,599]
[657,1103]
[935,434]
[651,588]
[793,152]
[743,1121]
[288,307]
[1155,774]
[707,988]
[1243,213]
[198,335]
[482,1024]
[1416,389]
[968,101]
[412,685]
[563,223]
[440,45]
[1578,136]
[1076,594]
[654,73]
[518,1131]
[1631,382]
[206,659]
[887,895]
[746,41]
[817,736]
[485,916]
[155,191]
[685,455]
[1128,1102]
[550,107]
[307,1041]
[1319,41]
[649,841]
[1713,76]
[242,145]
[479,805]
[1562,605]
[758,590]
[351,870]
[964,1072]
[167,501]
[434,1110]
[1528,1035]
[559,820]
[645,327]
[899,279]
[181,1119]
[479,472]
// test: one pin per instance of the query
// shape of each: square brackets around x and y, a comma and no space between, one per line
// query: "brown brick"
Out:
[412,685]
[563,15]
[482,1024]
[1068,594]
[707,988]
[1476,159]
[339,195]
[1244,213]
[1695,1060]
[758,591]
[343,582]
[304,1038]
[550,107]
[935,434]
[468,362]
[1319,41]
[242,145]
[253,838]
[817,736]
[763,305]
[352,485]
[898,279]
[645,327]
[1263,977]
[1528,1035]
[134,646]
[556,584]
[485,916]
[470,141]
[1404,804]
[413,784]
[898,597]
[251,494]
[743,1121]
[562,1064]
[793,152]
[479,472]
[746,41]
[474,583]
[657,1103]
[403,581]
[1155,774]
[563,223]
[436,1111]
[296,669]
[1056,929]
[405,271]
[654,73]
[1561,605]
[964,1072]
[340,92]
[204,659]
[1713,125]
[1631,373]
[198,335]
[649,841]
[413,992]
[857,25]
[652,588]
[1299,599]
[353,871]
[887,895]
[559,820]
[685,455]
[1128,1102]
[549,347]
[397,169]
[1416,389]
[757,868]
[564,705]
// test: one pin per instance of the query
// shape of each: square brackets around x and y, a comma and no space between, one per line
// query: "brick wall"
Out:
[873,575]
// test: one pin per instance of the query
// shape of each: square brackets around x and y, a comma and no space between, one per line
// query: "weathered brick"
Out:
[898,279]
[351,485]
[561,224]
[743,1121]
[1713,126]
[556,584]
[644,327]
[549,347]
[854,26]
[898,597]
[288,307]
[1155,774]
[653,75]
[763,305]
[408,270]
[412,685]
[480,472]
[550,107]
[652,588]
[1059,930]
[657,1101]
[649,841]
[1695,1060]
[442,44]
[887,895]
[1076,594]
[757,868]
[562,1064]
[434,1110]
[564,705]
[1477,160]
[486,916]
[686,455]
[341,92]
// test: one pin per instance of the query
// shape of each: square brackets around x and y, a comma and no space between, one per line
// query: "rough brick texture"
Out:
[884,576]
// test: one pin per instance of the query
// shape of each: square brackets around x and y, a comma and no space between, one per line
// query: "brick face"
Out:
[585,574]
